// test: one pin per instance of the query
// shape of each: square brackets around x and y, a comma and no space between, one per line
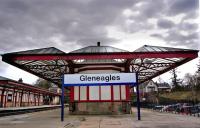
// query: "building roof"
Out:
[149,48]
[49,50]
[98,49]
[4,78]
[9,83]
[163,85]
[148,61]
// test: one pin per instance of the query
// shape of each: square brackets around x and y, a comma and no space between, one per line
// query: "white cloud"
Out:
[69,25]
[131,42]
[16,73]
[128,13]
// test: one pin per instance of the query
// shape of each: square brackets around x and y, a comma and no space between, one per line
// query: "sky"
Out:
[72,24]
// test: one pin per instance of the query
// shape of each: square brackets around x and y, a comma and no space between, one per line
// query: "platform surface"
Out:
[51,119]
[30,107]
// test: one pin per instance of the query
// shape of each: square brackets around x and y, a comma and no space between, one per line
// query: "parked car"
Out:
[189,109]
[171,108]
[198,106]
[194,109]
[158,107]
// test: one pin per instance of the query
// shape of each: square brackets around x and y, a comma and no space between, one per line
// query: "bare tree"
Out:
[43,83]
[175,81]
[192,84]
[197,74]
[20,80]
[198,67]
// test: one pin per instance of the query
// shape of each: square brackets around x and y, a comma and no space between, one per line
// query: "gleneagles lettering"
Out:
[99,78]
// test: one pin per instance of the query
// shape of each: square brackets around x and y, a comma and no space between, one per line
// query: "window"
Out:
[83,92]
[151,89]
[100,93]
[116,90]
[9,98]
[105,92]
[76,92]
[93,92]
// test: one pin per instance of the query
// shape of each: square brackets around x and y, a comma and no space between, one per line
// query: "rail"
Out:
[22,110]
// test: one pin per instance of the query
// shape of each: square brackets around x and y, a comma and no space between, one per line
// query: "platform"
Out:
[22,110]
[51,119]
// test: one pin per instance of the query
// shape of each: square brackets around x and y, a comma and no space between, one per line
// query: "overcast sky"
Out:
[72,24]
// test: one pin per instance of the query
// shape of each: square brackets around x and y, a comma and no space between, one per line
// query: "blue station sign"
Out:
[99,79]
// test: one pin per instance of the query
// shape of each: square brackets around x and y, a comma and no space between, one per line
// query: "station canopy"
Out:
[51,63]
[12,84]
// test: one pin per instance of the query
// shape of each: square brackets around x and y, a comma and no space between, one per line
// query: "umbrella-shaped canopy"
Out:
[147,61]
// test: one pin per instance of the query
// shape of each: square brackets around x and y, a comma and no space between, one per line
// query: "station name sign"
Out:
[99,79]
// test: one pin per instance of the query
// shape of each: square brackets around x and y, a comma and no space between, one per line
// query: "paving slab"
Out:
[51,119]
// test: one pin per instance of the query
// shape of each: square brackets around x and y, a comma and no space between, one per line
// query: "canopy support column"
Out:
[138,98]
[2,97]
[21,98]
[62,100]
[13,98]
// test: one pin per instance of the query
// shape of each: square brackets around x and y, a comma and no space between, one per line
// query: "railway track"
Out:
[22,110]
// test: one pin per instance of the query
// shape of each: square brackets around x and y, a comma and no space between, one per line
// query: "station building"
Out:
[51,64]
[99,99]
[18,94]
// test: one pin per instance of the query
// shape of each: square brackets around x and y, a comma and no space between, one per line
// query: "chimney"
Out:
[98,43]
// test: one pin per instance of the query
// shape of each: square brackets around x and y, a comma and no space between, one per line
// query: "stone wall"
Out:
[101,108]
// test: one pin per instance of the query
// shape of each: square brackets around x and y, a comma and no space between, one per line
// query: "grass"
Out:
[180,96]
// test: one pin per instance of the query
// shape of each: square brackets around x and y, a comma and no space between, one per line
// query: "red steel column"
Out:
[2,96]
[34,100]
[112,93]
[79,93]
[13,97]
[5,97]
[16,94]
[21,98]
[127,92]
[71,94]
[28,97]
[38,99]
